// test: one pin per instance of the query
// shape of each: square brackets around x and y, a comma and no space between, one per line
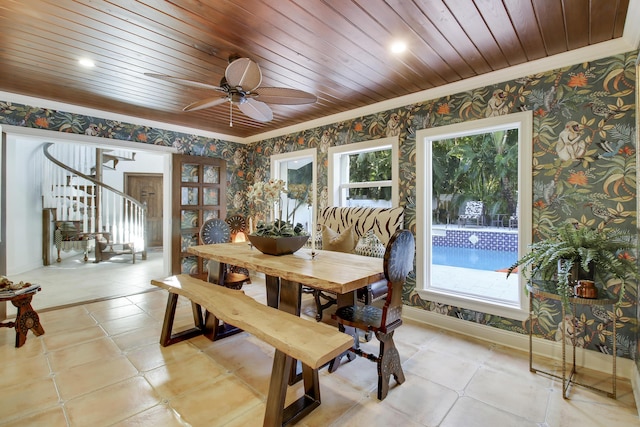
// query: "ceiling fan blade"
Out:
[245,73]
[256,110]
[184,82]
[205,103]
[283,95]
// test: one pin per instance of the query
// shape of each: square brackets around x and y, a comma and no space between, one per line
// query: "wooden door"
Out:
[199,193]
[147,188]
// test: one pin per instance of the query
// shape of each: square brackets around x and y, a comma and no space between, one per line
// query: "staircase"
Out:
[73,191]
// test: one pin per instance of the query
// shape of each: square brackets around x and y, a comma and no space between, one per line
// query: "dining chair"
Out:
[382,321]
[473,212]
[214,231]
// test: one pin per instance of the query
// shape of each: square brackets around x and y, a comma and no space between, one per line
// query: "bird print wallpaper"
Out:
[584,168]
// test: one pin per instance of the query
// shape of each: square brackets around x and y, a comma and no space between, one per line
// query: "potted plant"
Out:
[574,253]
[277,237]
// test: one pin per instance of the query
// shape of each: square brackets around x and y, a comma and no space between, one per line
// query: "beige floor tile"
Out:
[370,412]
[427,402]
[216,404]
[336,396]
[26,399]
[108,304]
[127,324]
[159,415]
[239,351]
[58,341]
[254,417]
[362,374]
[573,412]
[470,412]
[154,355]
[8,350]
[445,369]
[91,351]
[415,334]
[89,377]
[112,404]
[23,370]
[53,417]
[128,341]
[461,346]
[64,324]
[113,313]
[179,377]
[64,315]
[517,394]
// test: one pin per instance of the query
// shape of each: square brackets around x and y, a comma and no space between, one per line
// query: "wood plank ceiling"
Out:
[335,49]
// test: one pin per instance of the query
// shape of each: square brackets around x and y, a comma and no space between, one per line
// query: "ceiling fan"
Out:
[241,86]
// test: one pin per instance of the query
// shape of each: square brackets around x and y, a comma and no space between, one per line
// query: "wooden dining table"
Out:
[336,272]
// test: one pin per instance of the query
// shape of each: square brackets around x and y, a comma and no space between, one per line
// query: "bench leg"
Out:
[276,414]
[166,338]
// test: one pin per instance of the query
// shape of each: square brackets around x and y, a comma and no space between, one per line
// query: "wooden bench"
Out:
[314,344]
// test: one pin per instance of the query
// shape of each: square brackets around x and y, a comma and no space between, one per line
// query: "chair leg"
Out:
[319,306]
[388,364]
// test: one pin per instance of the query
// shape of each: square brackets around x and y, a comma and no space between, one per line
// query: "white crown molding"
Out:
[626,368]
[92,112]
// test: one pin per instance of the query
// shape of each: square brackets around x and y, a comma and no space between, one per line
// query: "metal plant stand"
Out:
[568,377]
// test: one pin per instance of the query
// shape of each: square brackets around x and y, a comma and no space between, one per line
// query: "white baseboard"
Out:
[625,368]
[635,385]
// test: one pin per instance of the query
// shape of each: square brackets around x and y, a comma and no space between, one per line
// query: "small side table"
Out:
[26,318]
[568,378]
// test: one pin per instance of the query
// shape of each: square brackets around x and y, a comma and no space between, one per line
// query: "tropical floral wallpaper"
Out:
[584,166]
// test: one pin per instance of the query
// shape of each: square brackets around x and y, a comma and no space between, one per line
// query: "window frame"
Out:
[338,168]
[523,121]
[277,160]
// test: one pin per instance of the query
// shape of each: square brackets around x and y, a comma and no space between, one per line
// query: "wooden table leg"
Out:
[290,300]
[345,300]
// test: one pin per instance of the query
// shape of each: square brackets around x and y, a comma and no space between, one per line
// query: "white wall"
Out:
[144,163]
[24,205]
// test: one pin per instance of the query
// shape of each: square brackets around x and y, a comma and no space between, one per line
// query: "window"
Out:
[298,170]
[364,174]
[473,212]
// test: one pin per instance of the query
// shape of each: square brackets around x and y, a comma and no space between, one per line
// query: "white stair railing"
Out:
[69,188]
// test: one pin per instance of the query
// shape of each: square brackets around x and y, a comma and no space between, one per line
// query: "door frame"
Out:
[125,184]
[16,132]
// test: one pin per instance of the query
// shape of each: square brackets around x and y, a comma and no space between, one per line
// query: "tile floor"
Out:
[100,364]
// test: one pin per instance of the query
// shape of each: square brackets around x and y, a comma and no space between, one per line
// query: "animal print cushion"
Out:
[370,245]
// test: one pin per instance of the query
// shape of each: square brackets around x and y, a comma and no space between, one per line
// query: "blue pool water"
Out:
[478,259]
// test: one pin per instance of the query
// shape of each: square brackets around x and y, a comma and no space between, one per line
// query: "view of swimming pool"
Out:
[479,259]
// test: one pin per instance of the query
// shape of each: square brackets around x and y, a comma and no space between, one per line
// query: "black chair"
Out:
[398,262]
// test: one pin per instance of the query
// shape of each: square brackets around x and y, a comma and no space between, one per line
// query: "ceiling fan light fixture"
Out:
[398,47]
[86,62]
[241,86]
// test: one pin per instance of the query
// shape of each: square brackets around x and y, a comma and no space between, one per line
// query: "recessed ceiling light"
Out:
[86,62]
[398,47]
